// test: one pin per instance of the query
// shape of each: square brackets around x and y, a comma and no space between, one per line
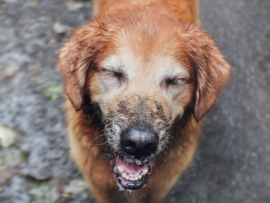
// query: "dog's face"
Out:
[144,71]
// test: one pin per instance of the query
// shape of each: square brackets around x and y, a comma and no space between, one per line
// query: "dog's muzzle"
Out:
[138,143]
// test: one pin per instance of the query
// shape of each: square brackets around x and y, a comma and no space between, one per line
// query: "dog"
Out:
[139,79]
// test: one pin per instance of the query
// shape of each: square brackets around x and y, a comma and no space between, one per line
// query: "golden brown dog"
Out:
[139,78]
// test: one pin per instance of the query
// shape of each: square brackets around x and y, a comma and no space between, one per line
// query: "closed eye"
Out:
[116,74]
[172,81]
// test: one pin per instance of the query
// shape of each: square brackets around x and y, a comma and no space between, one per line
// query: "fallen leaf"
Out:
[12,157]
[34,4]
[60,28]
[74,5]
[7,136]
[65,195]
[75,186]
[46,192]
[5,175]
[54,92]
[32,173]
[11,70]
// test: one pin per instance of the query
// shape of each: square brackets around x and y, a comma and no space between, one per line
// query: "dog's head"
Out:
[144,71]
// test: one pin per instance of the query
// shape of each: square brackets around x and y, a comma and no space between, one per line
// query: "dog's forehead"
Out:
[141,45]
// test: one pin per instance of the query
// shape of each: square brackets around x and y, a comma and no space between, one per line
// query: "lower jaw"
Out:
[131,175]
[131,185]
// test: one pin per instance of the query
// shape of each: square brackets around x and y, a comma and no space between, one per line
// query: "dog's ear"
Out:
[212,71]
[75,59]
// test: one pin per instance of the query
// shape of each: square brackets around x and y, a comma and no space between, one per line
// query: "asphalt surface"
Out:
[232,163]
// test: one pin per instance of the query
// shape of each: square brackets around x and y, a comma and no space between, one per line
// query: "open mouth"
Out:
[131,175]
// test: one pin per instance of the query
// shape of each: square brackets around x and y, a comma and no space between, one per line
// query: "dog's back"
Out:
[186,10]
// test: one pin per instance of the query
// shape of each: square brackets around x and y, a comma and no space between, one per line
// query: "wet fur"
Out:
[92,112]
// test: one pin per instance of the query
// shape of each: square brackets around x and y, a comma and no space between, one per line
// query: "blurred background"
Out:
[232,163]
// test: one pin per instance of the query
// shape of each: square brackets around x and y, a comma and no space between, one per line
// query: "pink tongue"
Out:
[130,167]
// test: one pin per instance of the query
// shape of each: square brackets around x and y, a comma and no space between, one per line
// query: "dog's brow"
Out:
[175,76]
[114,69]
[112,63]
[176,72]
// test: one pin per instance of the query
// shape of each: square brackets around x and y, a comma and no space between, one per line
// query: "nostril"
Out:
[150,146]
[129,144]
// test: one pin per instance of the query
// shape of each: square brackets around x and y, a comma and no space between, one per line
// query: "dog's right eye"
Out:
[117,74]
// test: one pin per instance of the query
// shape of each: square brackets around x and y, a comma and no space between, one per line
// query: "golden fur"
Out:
[149,39]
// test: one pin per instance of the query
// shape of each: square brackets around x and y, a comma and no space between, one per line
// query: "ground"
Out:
[232,163]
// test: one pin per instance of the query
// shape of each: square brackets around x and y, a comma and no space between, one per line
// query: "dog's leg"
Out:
[157,193]
[166,172]
[160,185]
[97,173]
[136,196]
[95,168]
[100,178]
[105,196]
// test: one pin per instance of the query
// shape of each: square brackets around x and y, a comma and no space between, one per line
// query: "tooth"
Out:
[120,169]
[138,162]
[144,171]
[124,175]
[127,176]
[139,177]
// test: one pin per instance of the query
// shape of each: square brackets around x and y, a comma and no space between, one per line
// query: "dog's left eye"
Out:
[172,81]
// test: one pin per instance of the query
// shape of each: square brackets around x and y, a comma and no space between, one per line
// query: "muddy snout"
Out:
[139,143]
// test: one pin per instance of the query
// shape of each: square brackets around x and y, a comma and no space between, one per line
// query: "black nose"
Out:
[139,142]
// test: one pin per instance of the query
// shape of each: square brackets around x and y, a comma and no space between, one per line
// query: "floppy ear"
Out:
[75,59]
[212,71]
